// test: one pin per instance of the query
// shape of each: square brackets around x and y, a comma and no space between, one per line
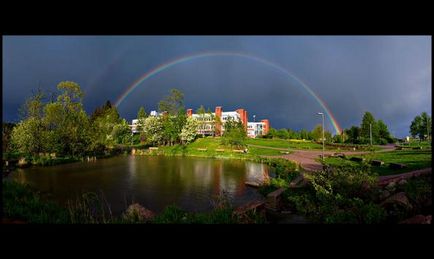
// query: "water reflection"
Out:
[155,182]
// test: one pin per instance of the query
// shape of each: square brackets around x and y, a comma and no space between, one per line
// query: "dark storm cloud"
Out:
[389,76]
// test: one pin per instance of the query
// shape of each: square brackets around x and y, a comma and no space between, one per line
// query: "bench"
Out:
[358,159]
[153,148]
[339,155]
[377,162]
[220,150]
[397,165]
[416,148]
[238,151]
[202,149]
[284,152]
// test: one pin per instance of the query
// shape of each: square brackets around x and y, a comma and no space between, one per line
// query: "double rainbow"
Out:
[196,56]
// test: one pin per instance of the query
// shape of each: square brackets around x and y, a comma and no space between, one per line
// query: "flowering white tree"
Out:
[153,129]
[189,131]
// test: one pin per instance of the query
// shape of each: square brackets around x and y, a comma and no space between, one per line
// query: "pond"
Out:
[153,181]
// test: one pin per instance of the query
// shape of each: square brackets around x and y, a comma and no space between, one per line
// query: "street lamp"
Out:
[254,116]
[322,114]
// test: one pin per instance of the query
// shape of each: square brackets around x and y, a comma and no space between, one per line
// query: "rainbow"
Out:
[195,56]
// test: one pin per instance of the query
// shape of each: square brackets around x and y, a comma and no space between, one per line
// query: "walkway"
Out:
[307,158]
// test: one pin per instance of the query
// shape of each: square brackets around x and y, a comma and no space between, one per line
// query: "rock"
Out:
[274,199]
[136,212]
[384,194]
[402,182]
[391,186]
[398,198]
[252,184]
[418,219]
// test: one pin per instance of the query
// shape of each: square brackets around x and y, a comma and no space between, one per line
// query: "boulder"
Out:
[135,212]
[418,219]
[391,186]
[384,194]
[402,182]
[398,198]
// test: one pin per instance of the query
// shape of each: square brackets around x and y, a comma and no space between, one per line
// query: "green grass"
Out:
[211,144]
[414,159]
[284,143]
[423,144]
[21,202]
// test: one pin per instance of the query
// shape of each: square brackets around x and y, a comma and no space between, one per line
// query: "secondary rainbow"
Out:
[196,56]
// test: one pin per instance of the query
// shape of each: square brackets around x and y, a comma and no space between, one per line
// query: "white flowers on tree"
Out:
[153,129]
[189,131]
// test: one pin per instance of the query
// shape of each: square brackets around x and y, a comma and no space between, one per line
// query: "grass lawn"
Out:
[414,159]
[423,144]
[284,143]
[212,145]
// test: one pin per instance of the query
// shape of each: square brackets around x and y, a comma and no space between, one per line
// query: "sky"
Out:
[269,76]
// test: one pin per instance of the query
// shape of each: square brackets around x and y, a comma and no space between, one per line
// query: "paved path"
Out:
[307,158]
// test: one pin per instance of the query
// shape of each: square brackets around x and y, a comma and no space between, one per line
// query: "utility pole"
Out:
[322,114]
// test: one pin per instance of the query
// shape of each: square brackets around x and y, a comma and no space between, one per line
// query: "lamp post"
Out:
[322,114]
[254,118]
[370,132]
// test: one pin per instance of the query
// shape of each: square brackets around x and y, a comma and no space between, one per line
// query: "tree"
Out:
[67,121]
[235,134]
[353,135]
[153,129]
[421,126]
[316,134]
[141,116]
[172,103]
[29,135]
[368,119]
[7,129]
[189,131]
[383,133]
[282,134]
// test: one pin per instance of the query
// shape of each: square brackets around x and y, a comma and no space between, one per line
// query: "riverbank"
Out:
[24,204]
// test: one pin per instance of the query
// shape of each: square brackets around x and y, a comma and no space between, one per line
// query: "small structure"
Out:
[357,159]
[377,162]
[397,166]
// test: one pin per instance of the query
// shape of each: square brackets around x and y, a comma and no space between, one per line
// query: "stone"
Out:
[252,184]
[137,212]
[402,182]
[398,198]
[418,219]
[391,186]
[273,199]
[384,194]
